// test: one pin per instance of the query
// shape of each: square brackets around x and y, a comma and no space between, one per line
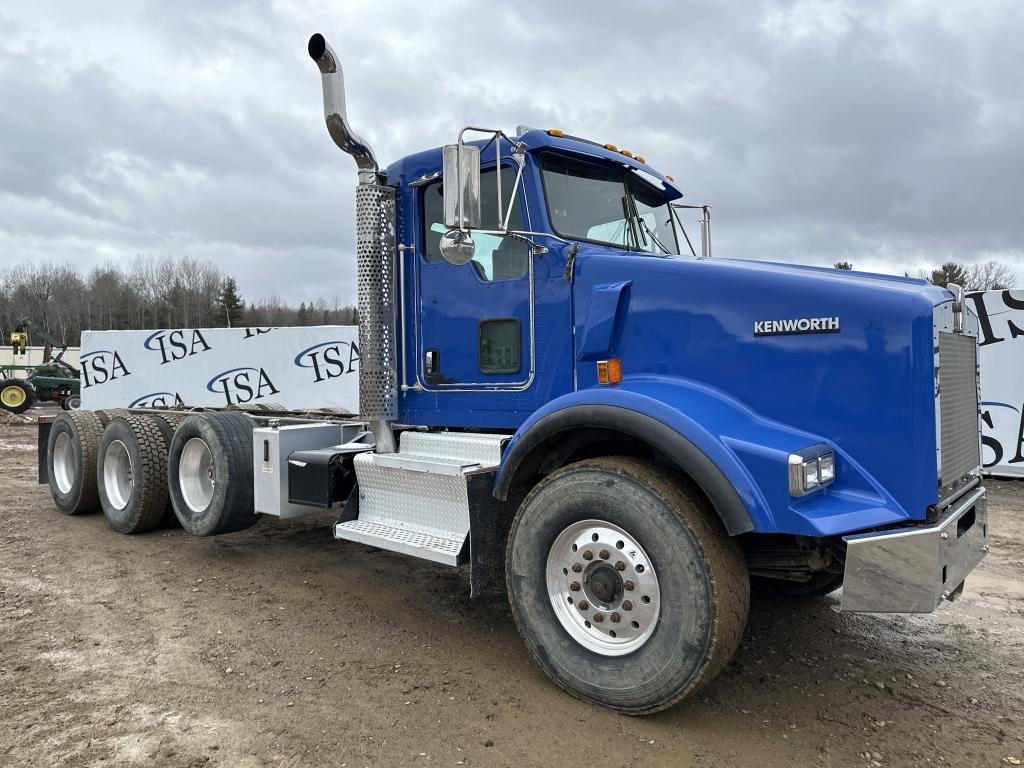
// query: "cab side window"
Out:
[497,257]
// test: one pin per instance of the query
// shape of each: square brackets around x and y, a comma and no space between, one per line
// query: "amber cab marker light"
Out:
[640,159]
[556,133]
[609,371]
[611,147]
[626,152]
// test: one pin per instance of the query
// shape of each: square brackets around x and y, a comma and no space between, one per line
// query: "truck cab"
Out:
[497,336]
[751,362]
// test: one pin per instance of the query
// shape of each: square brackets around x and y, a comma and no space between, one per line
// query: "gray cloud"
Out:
[887,134]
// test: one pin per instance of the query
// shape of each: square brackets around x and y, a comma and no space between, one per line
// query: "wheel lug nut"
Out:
[577,567]
[627,605]
[604,554]
[588,555]
[629,586]
[615,618]
[620,566]
[583,605]
[598,618]
[575,586]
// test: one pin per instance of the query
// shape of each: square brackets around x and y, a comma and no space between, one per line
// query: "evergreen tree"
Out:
[844,265]
[229,304]
[950,272]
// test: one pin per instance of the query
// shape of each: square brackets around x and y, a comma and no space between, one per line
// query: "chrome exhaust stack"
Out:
[375,258]
[335,113]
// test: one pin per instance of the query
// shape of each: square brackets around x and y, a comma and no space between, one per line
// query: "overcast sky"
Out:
[887,134]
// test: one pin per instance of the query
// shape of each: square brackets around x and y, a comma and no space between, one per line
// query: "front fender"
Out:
[737,457]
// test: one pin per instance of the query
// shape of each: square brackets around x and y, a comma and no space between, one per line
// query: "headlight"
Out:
[811,469]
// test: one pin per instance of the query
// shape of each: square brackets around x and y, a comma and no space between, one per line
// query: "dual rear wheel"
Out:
[147,470]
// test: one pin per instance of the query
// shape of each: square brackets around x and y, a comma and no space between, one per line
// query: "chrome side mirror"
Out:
[457,247]
[461,170]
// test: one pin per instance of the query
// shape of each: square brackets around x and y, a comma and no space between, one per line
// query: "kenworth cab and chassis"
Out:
[624,438]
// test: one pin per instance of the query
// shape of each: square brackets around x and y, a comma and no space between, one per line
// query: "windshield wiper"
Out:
[627,216]
[654,237]
[636,220]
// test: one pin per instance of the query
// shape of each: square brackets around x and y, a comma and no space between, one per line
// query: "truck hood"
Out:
[762,333]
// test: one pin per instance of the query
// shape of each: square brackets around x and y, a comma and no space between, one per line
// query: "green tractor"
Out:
[54,380]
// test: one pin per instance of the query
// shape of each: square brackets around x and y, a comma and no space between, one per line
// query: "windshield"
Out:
[606,205]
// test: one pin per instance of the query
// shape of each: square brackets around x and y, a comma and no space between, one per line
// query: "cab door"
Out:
[476,319]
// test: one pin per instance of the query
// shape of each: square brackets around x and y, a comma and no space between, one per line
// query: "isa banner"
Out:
[307,367]
[1001,360]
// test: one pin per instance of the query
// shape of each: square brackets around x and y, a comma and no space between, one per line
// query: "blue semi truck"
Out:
[562,397]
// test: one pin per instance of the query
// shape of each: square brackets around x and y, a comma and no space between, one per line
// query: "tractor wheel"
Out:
[209,473]
[17,395]
[626,589]
[71,461]
[71,403]
[132,473]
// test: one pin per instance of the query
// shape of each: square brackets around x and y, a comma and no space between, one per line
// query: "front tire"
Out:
[659,592]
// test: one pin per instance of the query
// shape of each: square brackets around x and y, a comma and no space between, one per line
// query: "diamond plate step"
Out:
[416,501]
[440,549]
[484,450]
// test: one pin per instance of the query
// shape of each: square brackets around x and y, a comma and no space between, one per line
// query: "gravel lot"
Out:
[280,647]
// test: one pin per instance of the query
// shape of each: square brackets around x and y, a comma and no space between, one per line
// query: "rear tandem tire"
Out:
[676,631]
[168,421]
[131,474]
[209,473]
[71,455]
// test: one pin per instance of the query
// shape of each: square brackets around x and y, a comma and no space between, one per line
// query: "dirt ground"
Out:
[279,646]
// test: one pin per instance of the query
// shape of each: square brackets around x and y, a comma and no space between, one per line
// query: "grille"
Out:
[375,295]
[959,446]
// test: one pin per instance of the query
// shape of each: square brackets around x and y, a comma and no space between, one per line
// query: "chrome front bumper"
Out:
[911,570]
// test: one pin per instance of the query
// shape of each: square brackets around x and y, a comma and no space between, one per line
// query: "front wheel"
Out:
[626,589]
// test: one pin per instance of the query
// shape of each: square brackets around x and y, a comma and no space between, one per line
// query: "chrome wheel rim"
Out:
[65,463]
[117,474]
[195,474]
[603,588]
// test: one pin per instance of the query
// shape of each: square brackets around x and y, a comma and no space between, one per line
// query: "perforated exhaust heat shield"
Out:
[375,295]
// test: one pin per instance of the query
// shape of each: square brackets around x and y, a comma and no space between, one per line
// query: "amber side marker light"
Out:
[609,371]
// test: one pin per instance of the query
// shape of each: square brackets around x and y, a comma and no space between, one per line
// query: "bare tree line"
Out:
[981,276]
[146,293]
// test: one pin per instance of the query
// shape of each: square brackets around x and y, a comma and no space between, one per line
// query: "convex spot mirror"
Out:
[457,247]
